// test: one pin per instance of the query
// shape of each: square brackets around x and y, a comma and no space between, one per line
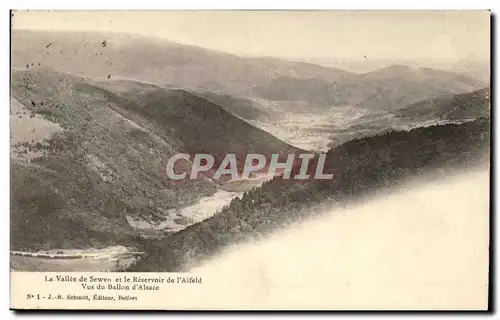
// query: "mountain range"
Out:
[103,55]
[118,106]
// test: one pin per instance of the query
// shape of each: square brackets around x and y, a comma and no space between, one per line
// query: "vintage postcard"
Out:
[250,160]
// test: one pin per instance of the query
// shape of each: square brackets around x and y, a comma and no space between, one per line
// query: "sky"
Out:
[418,35]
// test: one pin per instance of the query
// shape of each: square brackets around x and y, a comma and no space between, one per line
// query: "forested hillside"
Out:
[107,163]
[360,167]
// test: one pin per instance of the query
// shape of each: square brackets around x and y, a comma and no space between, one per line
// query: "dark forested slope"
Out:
[108,162]
[360,167]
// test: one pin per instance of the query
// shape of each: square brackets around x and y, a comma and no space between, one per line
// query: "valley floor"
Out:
[307,130]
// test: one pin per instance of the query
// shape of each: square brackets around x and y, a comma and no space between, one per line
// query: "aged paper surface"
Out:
[239,160]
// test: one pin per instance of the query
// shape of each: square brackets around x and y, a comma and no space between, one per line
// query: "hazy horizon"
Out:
[438,36]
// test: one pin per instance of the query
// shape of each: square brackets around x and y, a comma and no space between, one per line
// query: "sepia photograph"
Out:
[257,160]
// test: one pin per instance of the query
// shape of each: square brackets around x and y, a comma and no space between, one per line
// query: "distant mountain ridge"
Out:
[196,69]
[157,60]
